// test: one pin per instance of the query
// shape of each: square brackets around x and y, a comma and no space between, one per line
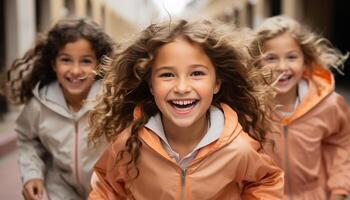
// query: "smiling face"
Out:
[74,64]
[183,82]
[285,55]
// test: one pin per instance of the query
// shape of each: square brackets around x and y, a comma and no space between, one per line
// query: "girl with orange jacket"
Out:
[185,117]
[313,144]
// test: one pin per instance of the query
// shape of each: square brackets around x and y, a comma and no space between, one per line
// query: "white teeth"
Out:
[74,80]
[183,102]
[284,77]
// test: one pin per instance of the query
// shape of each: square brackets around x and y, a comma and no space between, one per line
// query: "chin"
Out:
[182,123]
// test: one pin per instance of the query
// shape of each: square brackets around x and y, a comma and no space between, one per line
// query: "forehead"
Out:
[181,52]
[281,42]
[80,46]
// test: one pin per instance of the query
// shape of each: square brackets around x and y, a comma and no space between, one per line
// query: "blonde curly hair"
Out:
[125,85]
[317,50]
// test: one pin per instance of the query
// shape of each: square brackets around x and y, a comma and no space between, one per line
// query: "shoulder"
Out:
[333,111]
[32,107]
[334,101]
[245,145]
[109,156]
[118,143]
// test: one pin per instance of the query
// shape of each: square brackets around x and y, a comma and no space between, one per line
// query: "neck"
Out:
[74,104]
[184,139]
[286,101]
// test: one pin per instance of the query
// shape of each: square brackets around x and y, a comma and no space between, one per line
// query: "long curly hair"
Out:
[37,63]
[317,50]
[125,85]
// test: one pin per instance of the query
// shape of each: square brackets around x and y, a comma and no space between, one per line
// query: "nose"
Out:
[182,86]
[283,65]
[76,69]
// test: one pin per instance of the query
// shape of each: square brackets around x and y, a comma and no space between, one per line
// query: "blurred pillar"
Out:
[80,7]
[293,8]
[43,15]
[97,11]
[261,11]
[243,14]
[57,10]
[20,27]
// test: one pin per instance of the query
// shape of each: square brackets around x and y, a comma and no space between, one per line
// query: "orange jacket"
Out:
[313,144]
[229,168]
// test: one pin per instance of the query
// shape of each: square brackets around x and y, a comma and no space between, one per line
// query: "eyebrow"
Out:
[172,67]
[65,54]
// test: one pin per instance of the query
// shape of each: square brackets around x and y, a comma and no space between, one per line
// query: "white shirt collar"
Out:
[216,126]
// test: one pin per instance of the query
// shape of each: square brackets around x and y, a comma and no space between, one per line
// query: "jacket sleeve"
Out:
[261,177]
[105,182]
[29,146]
[336,146]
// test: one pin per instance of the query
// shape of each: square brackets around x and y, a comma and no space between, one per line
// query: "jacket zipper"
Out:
[76,153]
[287,170]
[183,178]
[183,172]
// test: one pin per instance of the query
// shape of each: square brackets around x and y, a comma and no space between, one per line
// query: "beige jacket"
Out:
[313,144]
[52,144]
[229,168]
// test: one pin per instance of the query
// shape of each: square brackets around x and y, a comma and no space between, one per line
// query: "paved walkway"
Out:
[10,183]
[7,134]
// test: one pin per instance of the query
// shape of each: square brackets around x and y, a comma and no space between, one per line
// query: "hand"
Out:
[337,197]
[33,189]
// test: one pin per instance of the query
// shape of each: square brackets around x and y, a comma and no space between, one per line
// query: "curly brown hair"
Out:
[126,81]
[37,63]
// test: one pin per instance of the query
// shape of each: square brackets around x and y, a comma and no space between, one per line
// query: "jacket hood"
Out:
[231,130]
[321,84]
[52,97]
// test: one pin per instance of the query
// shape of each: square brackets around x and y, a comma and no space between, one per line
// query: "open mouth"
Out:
[183,104]
[75,80]
[285,78]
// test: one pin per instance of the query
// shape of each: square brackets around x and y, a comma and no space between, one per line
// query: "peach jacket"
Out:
[228,168]
[313,144]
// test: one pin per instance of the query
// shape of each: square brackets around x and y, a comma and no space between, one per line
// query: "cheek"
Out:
[206,90]
[299,69]
[59,72]
[159,90]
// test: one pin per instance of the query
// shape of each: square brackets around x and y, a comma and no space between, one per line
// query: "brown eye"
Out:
[64,59]
[197,73]
[270,58]
[86,61]
[166,75]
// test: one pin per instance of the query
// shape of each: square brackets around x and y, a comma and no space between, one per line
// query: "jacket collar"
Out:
[52,97]
[230,131]
[216,126]
[320,85]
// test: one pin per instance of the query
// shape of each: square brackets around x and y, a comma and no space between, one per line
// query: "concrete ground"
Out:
[10,183]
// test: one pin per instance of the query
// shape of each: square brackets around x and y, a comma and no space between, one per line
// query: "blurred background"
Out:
[22,20]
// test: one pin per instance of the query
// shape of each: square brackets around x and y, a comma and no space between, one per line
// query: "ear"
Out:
[217,86]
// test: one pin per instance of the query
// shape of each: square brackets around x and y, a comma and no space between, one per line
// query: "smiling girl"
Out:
[184,119]
[53,79]
[313,146]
